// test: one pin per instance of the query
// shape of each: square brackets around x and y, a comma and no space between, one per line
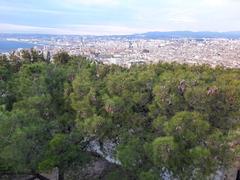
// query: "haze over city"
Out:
[107,17]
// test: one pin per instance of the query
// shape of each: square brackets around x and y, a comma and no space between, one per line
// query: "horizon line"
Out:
[130,34]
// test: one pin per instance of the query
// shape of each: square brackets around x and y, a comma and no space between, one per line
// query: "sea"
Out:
[8,46]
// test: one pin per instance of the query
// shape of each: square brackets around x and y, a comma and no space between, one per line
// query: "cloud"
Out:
[32,10]
[219,3]
[119,16]
[14,28]
[186,16]
[93,2]
[71,29]
[182,19]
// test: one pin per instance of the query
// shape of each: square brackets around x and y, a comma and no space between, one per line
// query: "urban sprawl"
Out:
[125,52]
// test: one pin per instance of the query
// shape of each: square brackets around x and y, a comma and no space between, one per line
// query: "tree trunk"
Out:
[238,175]
[60,174]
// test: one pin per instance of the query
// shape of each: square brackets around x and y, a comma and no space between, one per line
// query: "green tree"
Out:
[61,58]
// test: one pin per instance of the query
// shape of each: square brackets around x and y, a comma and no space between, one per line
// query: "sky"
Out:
[107,17]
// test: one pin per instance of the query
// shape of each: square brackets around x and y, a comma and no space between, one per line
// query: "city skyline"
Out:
[108,17]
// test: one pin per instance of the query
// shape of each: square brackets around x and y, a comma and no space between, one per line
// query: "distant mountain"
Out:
[176,35]
[148,35]
[189,34]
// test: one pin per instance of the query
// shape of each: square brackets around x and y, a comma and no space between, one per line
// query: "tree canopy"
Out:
[165,119]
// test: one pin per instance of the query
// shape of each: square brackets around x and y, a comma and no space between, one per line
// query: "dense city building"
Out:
[125,52]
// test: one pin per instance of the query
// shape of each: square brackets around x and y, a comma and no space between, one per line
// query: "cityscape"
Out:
[125,51]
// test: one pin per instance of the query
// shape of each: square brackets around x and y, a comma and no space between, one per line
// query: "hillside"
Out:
[149,122]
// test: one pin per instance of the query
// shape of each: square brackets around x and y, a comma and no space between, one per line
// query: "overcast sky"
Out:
[118,16]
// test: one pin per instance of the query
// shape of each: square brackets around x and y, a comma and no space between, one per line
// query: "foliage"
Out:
[166,119]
